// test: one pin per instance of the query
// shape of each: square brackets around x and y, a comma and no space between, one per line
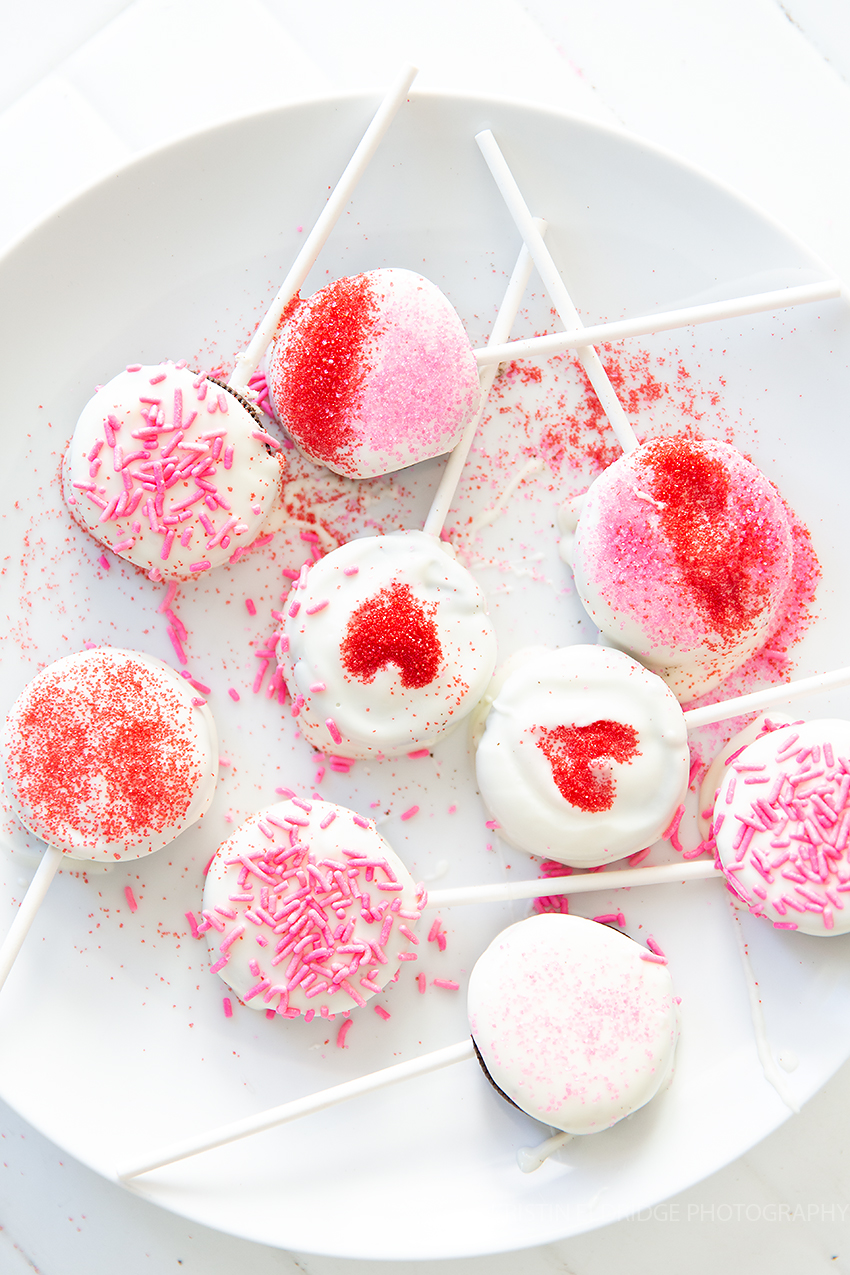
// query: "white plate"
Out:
[112,1035]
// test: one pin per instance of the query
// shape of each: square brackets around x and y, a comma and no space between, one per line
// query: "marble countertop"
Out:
[756,93]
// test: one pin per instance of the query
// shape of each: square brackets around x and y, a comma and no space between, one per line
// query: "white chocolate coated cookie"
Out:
[375,372]
[782,826]
[307,909]
[573,1021]
[386,646]
[107,757]
[683,556]
[584,757]
[170,471]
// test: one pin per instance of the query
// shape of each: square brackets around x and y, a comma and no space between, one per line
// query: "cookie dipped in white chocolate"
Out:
[386,646]
[108,755]
[782,826]
[574,1022]
[307,909]
[171,471]
[683,556]
[373,373]
[584,756]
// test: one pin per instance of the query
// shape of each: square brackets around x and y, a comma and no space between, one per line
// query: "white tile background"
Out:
[757,92]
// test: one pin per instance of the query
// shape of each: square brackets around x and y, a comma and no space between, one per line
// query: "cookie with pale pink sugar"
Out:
[171,471]
[308,910]
[782,826]
[573,1022]
[373,373]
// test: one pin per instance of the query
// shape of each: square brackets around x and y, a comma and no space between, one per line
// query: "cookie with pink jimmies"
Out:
[782,826]
[171,471]
[307,910]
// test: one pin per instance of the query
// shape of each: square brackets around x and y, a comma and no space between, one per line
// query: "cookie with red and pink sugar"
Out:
[373,373]
[683,556]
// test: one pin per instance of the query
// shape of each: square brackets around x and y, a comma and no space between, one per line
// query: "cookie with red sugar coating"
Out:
[107,756]
[374,373]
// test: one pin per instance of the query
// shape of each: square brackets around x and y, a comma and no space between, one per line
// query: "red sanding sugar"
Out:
[574,752]
[393,628]
[323,368]
[95,750]
[720,557]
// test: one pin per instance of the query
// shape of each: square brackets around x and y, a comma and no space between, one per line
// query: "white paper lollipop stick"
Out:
[665,321]
[247,360]
[302,1107]
[25,914]
[530,1159]
[763,699]
[556,287]
[587,883]
[514,293]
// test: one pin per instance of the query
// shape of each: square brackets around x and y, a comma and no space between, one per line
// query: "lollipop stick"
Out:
[514,293]
[302,1107]
[588,883]
[665,321]
[247,360]
[763,699]
[25,915]
[530,1159]
[556,288]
